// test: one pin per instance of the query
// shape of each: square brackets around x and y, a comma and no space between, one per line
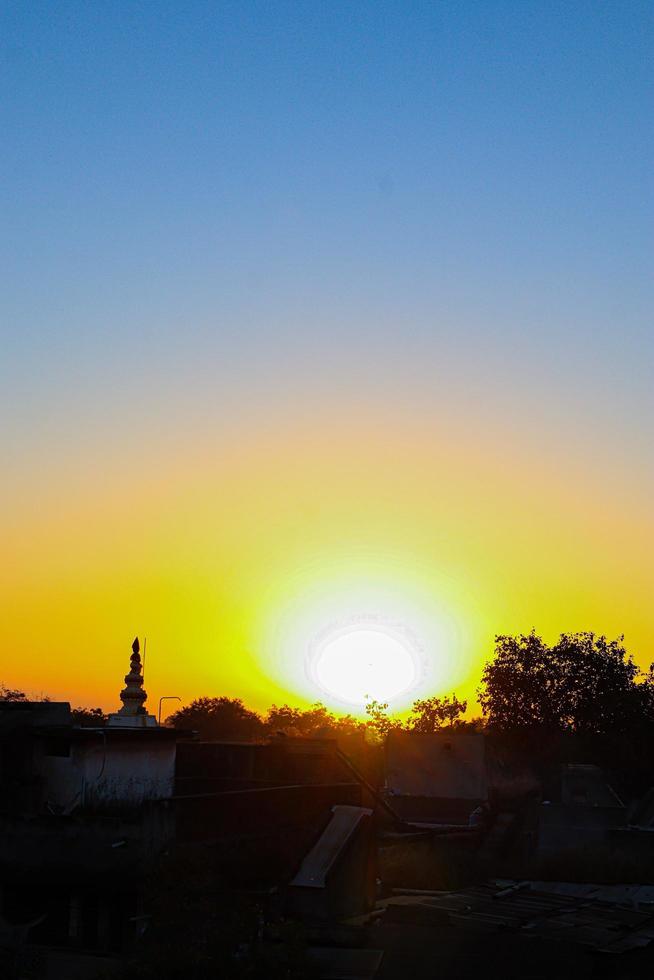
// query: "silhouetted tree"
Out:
[88,717]
[646,694]
[380,723]
[10,694]
[434,713]
[583,684]
[314,722]
[293,721]
[218,718]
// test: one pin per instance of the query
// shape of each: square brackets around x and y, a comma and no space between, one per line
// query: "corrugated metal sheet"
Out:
[628,895]
[590,917]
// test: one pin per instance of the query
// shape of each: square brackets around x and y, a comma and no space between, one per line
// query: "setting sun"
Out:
[356,665]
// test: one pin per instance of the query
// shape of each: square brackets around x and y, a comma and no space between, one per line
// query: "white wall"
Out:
[109,771]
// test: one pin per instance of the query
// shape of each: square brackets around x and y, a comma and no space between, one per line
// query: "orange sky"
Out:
[231,552]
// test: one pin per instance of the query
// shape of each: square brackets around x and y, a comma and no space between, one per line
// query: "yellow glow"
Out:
[232,555]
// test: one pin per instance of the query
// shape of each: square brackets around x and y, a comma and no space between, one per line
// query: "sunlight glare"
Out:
[363,664]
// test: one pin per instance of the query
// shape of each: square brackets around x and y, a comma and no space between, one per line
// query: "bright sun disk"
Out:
[361,664]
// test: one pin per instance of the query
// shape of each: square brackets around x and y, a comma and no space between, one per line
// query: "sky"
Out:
[317,315]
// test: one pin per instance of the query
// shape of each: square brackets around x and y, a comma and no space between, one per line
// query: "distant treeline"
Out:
[229,718]
[583,685]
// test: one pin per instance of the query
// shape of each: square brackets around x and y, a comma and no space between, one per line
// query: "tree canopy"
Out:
[88,717]
[316,721]
[582,684]
[224,717]
[11,694]
[433,713]
[220,717]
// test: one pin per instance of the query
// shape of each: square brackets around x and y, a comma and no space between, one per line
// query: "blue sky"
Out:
[328,197]
[165,157]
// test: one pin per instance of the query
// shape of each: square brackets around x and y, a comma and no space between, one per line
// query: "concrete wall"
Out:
[253,812]
[563,827]
[260,836]
[103,772]
[86,844]
[445,765]
[214,766]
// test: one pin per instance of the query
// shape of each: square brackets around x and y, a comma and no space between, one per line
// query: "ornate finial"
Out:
[133,713]
[133,696]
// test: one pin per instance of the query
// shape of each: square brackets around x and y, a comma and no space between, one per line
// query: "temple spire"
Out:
[133,695]
[133,713]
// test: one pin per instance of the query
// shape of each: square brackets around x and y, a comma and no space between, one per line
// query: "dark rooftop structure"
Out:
[337,876]
[438,778]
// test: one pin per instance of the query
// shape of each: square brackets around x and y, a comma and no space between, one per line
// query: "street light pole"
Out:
[166,697]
